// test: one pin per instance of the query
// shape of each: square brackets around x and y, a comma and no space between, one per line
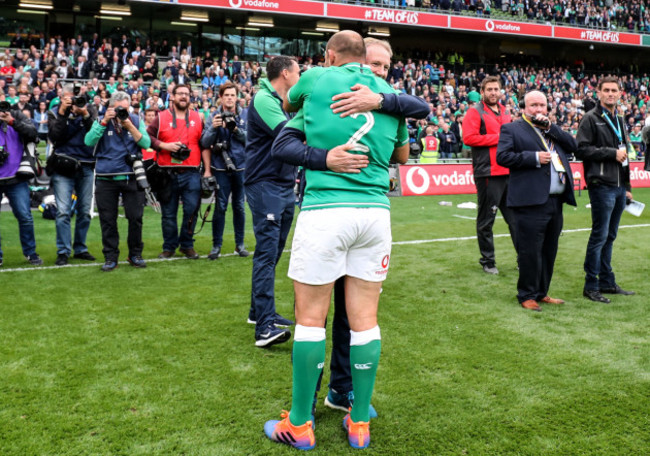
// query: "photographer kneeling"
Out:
[71,168]
[119,138]
[223,143]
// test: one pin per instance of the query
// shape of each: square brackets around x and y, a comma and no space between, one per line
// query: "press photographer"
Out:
[223,143]
[17,130]
[175,135]
[70,166]
[119,138]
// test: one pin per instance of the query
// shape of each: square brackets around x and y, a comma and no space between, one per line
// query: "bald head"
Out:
[344,47]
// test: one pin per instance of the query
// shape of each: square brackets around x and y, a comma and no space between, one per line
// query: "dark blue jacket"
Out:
[237,140]
[67,134]
[112,149]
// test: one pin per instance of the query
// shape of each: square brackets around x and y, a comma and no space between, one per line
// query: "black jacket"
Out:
[530,183]
[597,146]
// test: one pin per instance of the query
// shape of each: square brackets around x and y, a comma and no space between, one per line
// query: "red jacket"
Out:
[483,141]
[161,130]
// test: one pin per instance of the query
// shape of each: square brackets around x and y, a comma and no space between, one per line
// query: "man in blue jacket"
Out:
[119,139]
[72,171]
[223,142]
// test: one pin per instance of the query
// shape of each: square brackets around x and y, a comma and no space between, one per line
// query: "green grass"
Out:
[161,361]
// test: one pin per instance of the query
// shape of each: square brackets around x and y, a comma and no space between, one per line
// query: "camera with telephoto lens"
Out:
[229,121]
[78,100]
[135,162]
[223,149]
[4,155]
[121,113]
[182,154]
[5,106]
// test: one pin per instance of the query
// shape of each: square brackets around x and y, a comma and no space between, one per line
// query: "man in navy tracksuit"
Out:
[269,190]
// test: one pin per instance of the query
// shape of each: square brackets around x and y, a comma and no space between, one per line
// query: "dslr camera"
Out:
[223,148]
[229,121]
[121,113]
[182,154]
[78,100]
[5,106]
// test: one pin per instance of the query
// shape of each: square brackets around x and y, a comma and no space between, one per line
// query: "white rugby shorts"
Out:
[331,243]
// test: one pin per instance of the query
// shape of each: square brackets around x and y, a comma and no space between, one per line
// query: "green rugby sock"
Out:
[308,361]
[363,364]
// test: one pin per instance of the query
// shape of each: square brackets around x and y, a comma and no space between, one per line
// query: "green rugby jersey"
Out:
[374,134]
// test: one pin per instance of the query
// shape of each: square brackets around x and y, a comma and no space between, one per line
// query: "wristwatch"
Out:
[381,101]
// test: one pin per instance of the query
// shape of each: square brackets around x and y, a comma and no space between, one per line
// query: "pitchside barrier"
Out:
[458,178]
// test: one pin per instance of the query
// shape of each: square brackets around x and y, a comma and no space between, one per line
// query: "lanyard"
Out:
[616,129]
[549,148]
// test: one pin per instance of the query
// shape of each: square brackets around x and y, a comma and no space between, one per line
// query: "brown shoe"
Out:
[531,304]
[549,300]
[189,253]
[165,254]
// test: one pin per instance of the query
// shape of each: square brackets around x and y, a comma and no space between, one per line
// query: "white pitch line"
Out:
[89,265]
[420,241]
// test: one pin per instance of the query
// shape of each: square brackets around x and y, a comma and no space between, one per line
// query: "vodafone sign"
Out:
[278,6]
[507,27]
[416,180]
[436,179]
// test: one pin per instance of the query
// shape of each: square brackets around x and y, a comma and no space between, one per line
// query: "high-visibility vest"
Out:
[431,145]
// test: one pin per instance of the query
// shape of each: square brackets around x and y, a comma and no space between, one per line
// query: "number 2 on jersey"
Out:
[361,132]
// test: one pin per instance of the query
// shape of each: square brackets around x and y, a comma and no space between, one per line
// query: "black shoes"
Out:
[136,261]
[61,259]
[617,290]
[595,296]
[84,256]
[109,266]
[34,259]
[241,251]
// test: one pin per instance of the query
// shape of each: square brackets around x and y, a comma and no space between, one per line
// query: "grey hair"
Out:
[119,96]
[68,88]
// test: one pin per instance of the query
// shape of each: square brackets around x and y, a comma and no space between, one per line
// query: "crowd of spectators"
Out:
[630,15]
[31,80]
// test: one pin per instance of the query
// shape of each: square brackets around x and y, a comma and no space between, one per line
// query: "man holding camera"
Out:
[223,143]
[175,136]
[71,168]
[118,139]
[16,130]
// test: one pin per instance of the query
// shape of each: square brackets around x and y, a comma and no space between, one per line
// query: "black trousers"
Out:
[492,192]
[538,231]
[107,195]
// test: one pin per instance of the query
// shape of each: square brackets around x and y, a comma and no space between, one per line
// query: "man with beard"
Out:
[481,129]
[175,136]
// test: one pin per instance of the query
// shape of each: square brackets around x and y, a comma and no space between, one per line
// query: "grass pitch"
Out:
[161,361]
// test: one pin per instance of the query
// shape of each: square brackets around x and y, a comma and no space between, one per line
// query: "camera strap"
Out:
[187,122]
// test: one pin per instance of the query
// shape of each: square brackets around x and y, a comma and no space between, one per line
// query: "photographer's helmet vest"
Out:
[13,145]
[186,130]
[112,149]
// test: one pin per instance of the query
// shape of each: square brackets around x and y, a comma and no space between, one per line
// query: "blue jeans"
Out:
[607,205]
[272,207]
[229,183]
[185,187]
[82,185]
[18,195]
